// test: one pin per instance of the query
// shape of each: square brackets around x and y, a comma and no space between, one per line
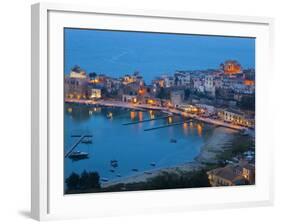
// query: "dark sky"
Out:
[117,53]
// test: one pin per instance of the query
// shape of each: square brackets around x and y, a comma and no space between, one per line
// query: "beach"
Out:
[208,154]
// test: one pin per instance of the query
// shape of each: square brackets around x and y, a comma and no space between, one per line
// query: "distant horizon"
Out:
[116,53]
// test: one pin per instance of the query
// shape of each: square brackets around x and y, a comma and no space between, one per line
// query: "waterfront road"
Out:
[152,107]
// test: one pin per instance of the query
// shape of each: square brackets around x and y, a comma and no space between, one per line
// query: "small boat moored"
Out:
[104,179]
[76,155]
[173,140]
[114,163]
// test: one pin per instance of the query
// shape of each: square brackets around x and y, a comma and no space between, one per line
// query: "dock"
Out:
[147,120]
[76,143]
[167,125]
[159,108]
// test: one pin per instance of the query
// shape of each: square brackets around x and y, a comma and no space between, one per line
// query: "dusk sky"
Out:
[116,53]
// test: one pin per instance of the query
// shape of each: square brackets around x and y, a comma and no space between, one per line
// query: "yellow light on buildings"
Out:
[133,115]
[199,130]
[151,113]
[110,115]
[135,100]
[170,120]
[185,128]
[140,115]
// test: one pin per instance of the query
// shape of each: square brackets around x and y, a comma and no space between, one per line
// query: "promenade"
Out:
[162,109]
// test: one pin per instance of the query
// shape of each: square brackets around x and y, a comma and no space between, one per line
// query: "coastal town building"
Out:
[169,81]
[95,93]
[182,78]
[232,175]
[218,83]
[177,97]
[158,83]
[78,73]
[209,85]
[189,108]
[76,84]
[231,67]
[197,85]
[236,117]
[136,77]
[206,109]
[129,98]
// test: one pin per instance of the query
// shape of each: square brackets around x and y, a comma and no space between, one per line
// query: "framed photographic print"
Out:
[148,111]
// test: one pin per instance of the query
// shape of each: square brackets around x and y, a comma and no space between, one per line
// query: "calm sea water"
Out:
[130,145]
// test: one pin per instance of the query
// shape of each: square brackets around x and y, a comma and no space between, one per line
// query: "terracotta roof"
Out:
[229,172]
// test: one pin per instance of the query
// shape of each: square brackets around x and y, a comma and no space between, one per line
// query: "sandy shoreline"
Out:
[210,149]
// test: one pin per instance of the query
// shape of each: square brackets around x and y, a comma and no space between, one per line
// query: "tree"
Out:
[248,103]
[84,179]
[76,68]
[162,93]
[72,181]
[92,75]
[177,81]
[93,180]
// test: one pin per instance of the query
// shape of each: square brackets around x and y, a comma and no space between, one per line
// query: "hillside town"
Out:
[224,97]
[226,94]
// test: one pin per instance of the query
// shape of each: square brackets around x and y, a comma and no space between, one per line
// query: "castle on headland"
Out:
[231,67]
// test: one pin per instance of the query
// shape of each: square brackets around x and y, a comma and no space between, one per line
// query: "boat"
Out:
[114,163]
[173,140]
[78,155]
[152,164]
[118,175]
[87,141]
[75,136]
[135,170]
[109,115]
[146,172]
[112,170]
[104,179]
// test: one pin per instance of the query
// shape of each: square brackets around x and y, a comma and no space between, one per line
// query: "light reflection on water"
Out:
[133,147]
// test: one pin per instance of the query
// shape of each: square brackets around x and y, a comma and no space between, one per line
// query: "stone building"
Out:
[242,173]
[231,67]
[76,84]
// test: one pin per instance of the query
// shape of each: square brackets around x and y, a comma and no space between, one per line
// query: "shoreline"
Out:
[208,152]
[174,111]
[212,146]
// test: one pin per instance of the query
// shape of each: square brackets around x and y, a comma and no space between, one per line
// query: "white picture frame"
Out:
[48,201]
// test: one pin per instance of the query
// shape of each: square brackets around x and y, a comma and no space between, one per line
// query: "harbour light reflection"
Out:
[199,129]
[133,115]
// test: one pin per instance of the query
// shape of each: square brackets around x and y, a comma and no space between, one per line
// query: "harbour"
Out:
[134,149]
